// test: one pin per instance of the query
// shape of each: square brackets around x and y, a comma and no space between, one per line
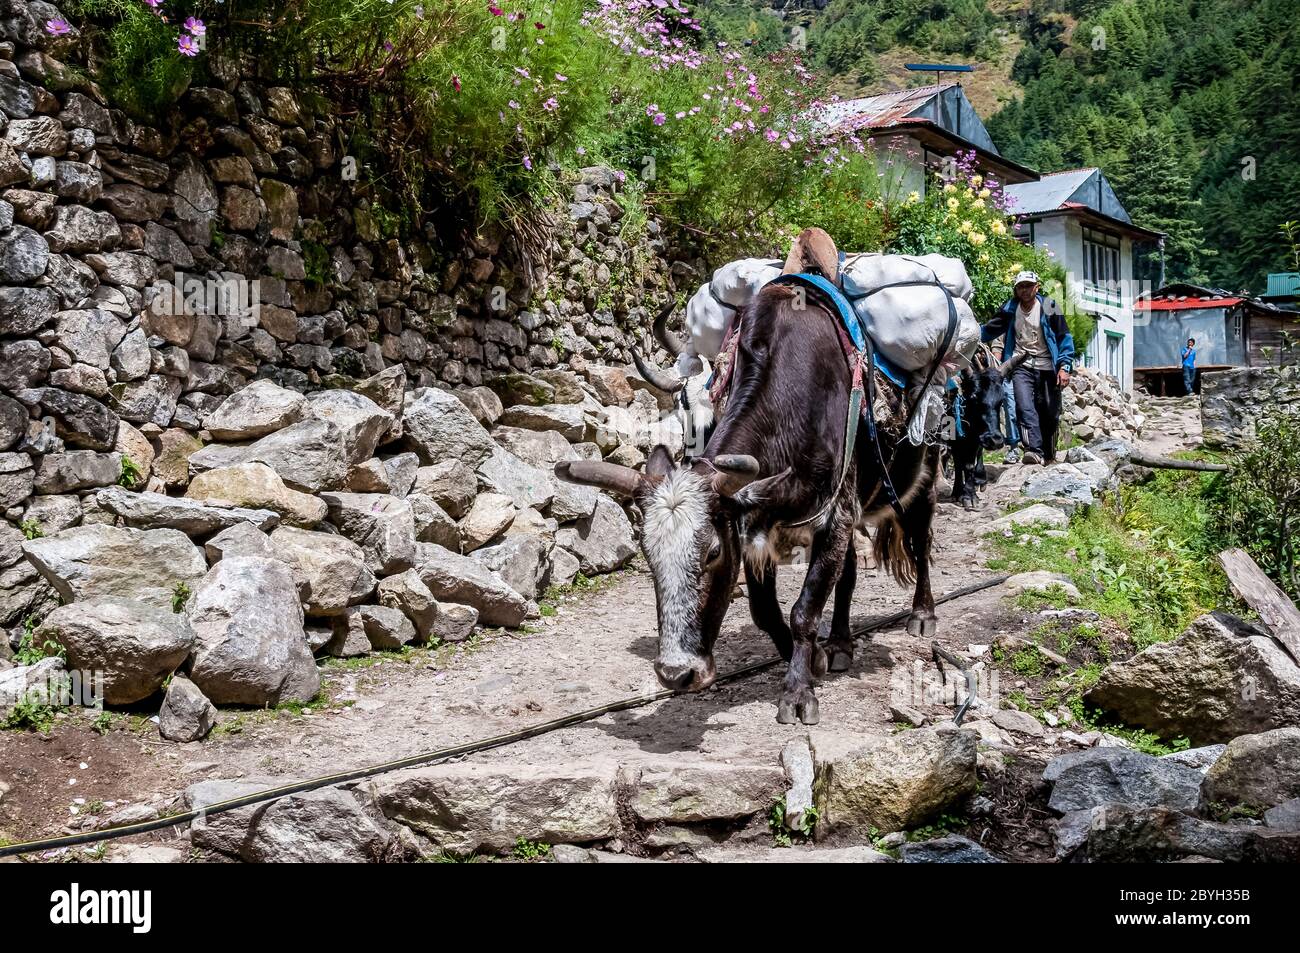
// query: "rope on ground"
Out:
[442,754]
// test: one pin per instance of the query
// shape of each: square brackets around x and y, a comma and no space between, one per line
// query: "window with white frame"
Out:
[1101,259]
[1115,355]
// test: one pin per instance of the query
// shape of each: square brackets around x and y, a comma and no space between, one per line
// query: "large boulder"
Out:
[159,511]
[382,525]
[603,541]
[335,568]
[261,408]
[250,647]
[450,484]
[488,518]
[439,427]
[539,448]
[135,645]
[471,806]
[88,562]
[569,420]
[893,783]
[1260,770]
[1162,834]
[407,593]
[519,560]
[1064,486]
[1221,678]
[76,470]
[455,578]
[505,474]
[257,486]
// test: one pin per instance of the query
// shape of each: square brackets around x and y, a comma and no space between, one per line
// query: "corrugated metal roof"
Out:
[942,105]
[1184,303]
[1048,194]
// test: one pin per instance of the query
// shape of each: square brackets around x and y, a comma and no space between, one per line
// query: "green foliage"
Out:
[786,835]
[1189,108]
[180,595]
[1143,559]
[142,69]
[29,652]
[131,474]
[1257,504]
[530,850]
[31,529]
[31,712]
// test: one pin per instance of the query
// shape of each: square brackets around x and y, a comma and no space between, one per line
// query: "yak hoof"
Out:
[796,706]
[785,713]
[840,653]
[809,713]
[968,503]
[923,625]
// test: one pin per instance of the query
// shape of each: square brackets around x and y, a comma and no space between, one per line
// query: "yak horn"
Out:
[735,471]
[671,342]
[607,476]
[1006,367]
[656,377]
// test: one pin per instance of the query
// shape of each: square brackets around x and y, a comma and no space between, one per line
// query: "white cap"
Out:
[1026,276]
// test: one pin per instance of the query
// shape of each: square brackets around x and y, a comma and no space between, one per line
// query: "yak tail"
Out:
[890,547]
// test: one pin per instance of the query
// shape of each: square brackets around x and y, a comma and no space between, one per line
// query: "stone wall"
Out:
[126,251]
[1095,406]
[1231,401]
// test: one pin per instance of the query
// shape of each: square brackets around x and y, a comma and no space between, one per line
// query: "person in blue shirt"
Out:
[1189,366]
[1035,325]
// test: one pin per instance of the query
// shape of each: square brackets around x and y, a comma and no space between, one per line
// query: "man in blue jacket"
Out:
[1189,366]
[1035,325]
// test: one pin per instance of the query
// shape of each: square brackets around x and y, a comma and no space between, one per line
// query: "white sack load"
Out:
[866,272]
[908,326]
[707,319]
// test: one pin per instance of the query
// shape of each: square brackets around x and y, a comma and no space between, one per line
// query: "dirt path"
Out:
[596,649]
[1172,424]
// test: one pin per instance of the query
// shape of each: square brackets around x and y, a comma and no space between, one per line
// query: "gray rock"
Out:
[88,562]
[603,542]
[40,135]
[309,455]
[136,646]
[1284,817]
[335,568]
[401,471]
[386,627]
[455,622]
[159,511]
[187,714]
[148,401]
[407,593]
[250,647]
[361,420]
[383,526]
[257,486]
[42,682]
[450,484]
[542,449]
[519,560]
[54,514]
[26,310]
[261,408]
[23,256]
[951,849]
[1064,486]
[80,420]
[325,826]
[468,807]
[78,229]
[432,524]
[225,832]
[77,470]
[569,420]
[439,427]
[1161,834]
[1200,758]
[1082,780]
[488,518]
[26,363]
[455,578]
[242,539]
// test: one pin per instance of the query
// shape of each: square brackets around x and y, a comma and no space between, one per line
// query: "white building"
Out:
[1078,218]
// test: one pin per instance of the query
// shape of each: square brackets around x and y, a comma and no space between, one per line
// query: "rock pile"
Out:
[335,523]
[1095,406]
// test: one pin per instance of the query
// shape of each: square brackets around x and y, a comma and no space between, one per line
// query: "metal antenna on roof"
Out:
[938,69]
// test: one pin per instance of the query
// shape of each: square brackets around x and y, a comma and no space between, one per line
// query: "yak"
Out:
[981,396]
[773,477]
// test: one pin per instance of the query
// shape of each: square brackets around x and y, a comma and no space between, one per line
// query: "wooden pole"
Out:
[1261,594]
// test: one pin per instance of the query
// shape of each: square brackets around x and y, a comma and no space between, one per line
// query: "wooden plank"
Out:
[1259,592]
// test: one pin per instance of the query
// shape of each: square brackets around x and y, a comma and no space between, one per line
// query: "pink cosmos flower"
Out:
[528,163]
[455,82]
[195,26]
[561,78]
[492,9]
[551,105]
[187,46]
[57,27]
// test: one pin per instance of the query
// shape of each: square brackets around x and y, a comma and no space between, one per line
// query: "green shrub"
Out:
[1257,504]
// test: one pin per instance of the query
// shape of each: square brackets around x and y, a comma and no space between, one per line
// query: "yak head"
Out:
[983,396]
[691,542]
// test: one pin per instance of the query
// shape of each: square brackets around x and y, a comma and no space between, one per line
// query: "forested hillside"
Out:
[1190,106]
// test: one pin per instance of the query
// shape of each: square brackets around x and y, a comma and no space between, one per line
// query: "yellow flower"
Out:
[978,238]
[977,180]
[999,228]
[985,193]
[978,203]
[913,198]
[950,187]
[964,227]
[984,256]
[952,203]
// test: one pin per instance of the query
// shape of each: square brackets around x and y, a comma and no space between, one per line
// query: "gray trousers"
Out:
[1038,409]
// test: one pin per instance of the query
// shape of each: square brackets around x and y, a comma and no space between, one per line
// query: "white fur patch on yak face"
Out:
[675,526]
